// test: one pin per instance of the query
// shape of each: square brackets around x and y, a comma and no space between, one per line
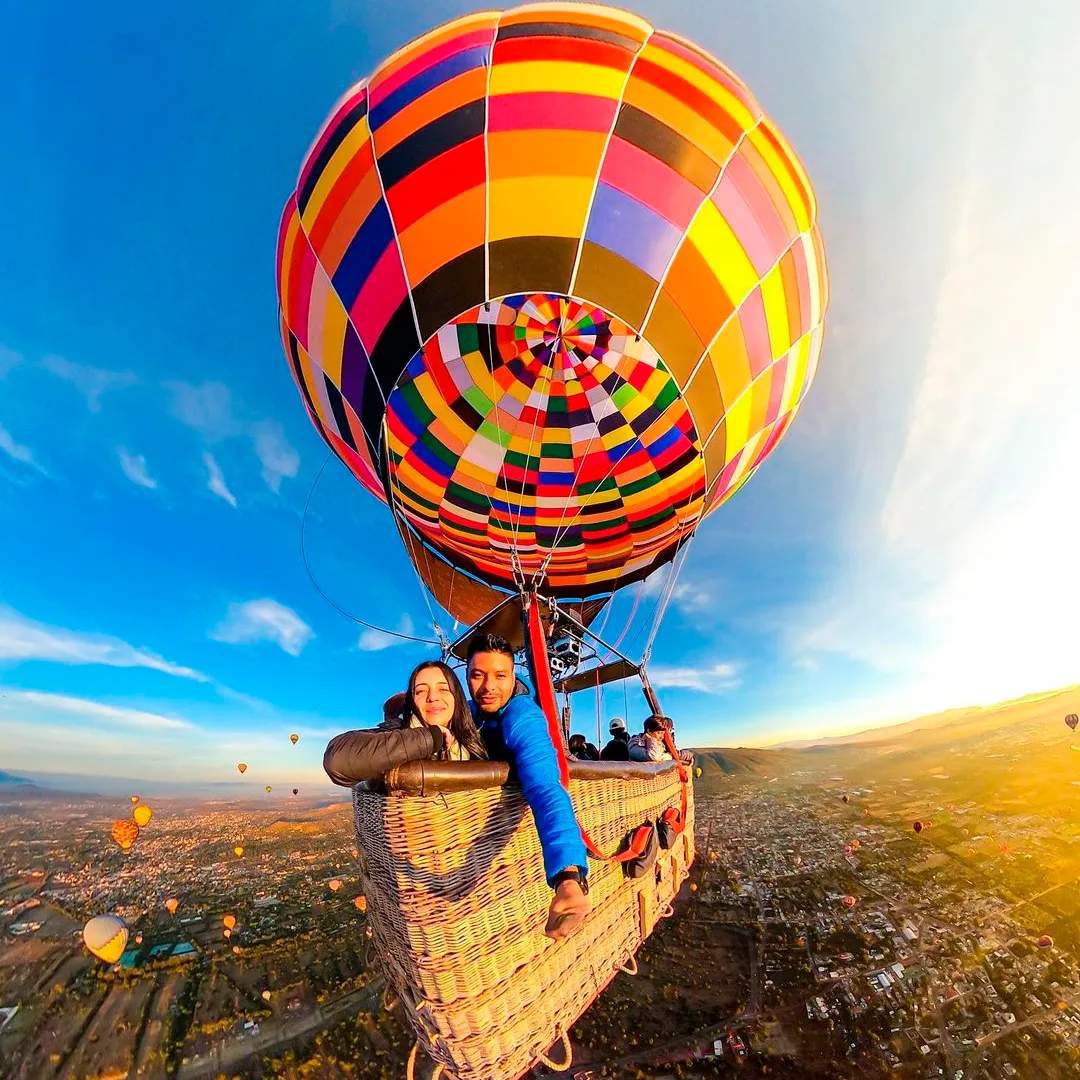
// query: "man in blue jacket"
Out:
[515,729]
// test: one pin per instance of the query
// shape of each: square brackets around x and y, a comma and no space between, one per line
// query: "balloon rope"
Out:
[669,592]
[311,577]
[399,515]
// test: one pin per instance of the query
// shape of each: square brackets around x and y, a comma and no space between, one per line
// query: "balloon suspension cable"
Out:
[402,522]
[677,563]
[311,577]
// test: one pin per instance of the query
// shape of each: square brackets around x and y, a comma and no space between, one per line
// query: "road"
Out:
[276,1032]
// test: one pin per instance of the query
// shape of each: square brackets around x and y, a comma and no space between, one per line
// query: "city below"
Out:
[902,903]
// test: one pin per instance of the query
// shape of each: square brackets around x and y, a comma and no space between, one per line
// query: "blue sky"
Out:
[910,546]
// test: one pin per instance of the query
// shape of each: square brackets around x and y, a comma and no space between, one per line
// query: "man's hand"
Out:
[568,909]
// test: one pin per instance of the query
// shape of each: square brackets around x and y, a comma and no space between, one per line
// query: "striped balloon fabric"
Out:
[552,283]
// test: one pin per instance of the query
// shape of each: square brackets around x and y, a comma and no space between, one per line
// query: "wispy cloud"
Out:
[208,409]
[688,597]
[23,639]
[134,466]
[9,360]
[278,458]
[377,640]
[18,452]
[99,712]
[712,679]
[264,620]
[216,480]
[91,382]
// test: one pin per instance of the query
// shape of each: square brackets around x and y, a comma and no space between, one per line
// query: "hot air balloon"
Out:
[693,886]
[294,738]
[334,884]
[360,903]
[266,995]
[134,799]
[697,772]
[296,791]
[172,904]
[138,939]
[918,826]
[855,845]
[106,936]
[845,798]
[227,933]
[1045,942]
[1071,721]
[355,853]
[241,768]
[124,832]
[847,849]
[229,921]
[268,789]
[551,286]
[849,901]
[142,815]
[238,851]
[800,941]
[237,950]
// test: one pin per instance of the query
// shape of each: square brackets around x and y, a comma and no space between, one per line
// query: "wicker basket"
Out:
[457,901]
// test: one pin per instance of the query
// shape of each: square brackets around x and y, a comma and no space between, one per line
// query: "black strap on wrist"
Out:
[572,874]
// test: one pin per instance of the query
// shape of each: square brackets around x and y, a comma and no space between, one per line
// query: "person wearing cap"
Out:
[617,748]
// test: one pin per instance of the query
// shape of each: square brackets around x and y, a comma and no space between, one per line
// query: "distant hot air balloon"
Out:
[855,844]
[142,815]
[242,767]
[847,849]
[138,939]
[928,824]
[334,884]
[296,791]
[800,941]
[266,995]
[172,904]
[236,949]
[850,901]
[918,826]
[106,936]
[238,850]
[360,903]
[1045,942]
[294,738]
[1071,721]
[693,886]
[125,833]
[228,933]
[697,772]
[229,920]
[1005,847]
[356,853]
[268,789]
[845,798]
[134,799]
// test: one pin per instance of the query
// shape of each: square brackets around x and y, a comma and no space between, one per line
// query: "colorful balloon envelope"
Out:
[227,933]
[266,995]
[138,939]
[171,905]
[241,768]
[918,826]
[1071,721]
[124,832]
[238,851]
[360,903]
[1045,942]
[229,921]
[553,282]
[268,789]
[294,738]
[850,901]
[296,791]
[106,936]
[142,815]
[134,799]
[334,884]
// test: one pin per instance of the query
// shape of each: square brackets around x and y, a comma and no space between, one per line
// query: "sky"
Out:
[910,546]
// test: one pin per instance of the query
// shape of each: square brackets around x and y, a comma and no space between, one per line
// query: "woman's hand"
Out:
[450,744]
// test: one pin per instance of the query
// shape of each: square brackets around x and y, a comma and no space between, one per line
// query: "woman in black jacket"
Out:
[433,722]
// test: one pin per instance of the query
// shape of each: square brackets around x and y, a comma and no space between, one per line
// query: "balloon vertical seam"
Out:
[487,162]
[600,164]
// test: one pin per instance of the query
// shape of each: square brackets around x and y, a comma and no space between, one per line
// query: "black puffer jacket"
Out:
[371,753]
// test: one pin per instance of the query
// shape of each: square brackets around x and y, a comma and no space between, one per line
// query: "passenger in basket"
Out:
[515,730]
[616,749]
[431,720]
[649,746]
[582,749]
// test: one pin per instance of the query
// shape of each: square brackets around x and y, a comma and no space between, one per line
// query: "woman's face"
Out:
[432,696]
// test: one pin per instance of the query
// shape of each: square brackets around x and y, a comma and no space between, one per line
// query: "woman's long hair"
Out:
[462,726]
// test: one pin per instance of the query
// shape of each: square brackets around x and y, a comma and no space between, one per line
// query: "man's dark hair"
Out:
[490,643]
[653,725]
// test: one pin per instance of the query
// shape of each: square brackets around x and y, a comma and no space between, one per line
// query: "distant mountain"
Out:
[746,762]
[957,721]
[10,780]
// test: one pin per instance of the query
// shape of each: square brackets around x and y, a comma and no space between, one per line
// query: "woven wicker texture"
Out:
[457,901]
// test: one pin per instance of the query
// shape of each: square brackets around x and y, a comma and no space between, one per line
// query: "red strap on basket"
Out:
[545,692]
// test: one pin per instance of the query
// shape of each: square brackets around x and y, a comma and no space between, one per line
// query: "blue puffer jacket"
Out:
[518,734]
